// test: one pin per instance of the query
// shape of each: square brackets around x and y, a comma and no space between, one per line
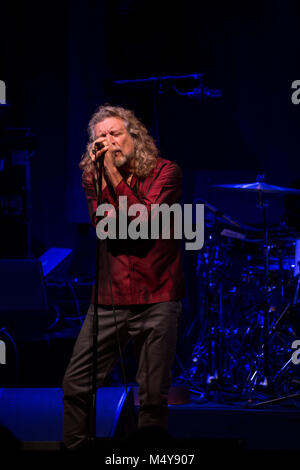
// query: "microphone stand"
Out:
[93,408]
[92,416]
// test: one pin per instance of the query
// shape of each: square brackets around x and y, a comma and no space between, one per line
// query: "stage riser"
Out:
[34,416]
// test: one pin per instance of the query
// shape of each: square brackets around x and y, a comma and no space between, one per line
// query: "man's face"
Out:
[114,132]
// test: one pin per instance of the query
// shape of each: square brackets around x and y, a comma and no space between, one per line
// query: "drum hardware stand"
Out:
[214,313]
[262,368]
[211,334]
[287,309]
[274,400]
[214,374]
[284,368]
[213,307]
[271,330]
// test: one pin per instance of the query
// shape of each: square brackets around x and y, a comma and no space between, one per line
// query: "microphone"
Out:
[98,163]
[98,146]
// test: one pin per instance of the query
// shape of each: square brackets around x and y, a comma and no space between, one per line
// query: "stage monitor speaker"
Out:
[34,415]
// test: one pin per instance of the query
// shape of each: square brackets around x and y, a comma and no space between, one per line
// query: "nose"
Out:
[110,140]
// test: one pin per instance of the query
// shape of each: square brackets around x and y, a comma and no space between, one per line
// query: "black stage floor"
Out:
[269,428]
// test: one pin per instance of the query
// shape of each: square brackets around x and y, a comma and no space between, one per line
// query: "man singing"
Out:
[142,278]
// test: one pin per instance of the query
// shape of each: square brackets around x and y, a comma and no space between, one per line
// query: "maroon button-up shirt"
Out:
[142,271]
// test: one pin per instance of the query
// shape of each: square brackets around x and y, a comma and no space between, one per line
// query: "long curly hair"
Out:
[146,152]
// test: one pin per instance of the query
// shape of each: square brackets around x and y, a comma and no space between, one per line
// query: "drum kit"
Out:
[249,303]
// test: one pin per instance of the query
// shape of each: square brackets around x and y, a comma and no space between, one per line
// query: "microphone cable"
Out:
[99,169]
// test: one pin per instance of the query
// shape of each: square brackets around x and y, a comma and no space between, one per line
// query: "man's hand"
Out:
[95,157]
[108,153]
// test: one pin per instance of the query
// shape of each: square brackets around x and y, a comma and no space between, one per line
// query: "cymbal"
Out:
[258,187]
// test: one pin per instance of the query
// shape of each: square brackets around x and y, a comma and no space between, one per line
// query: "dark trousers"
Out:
[153,329]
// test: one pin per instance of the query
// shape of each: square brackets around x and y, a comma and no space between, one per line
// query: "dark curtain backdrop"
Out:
[60,61]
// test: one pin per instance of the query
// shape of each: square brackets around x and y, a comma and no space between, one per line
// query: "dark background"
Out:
[59,61]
